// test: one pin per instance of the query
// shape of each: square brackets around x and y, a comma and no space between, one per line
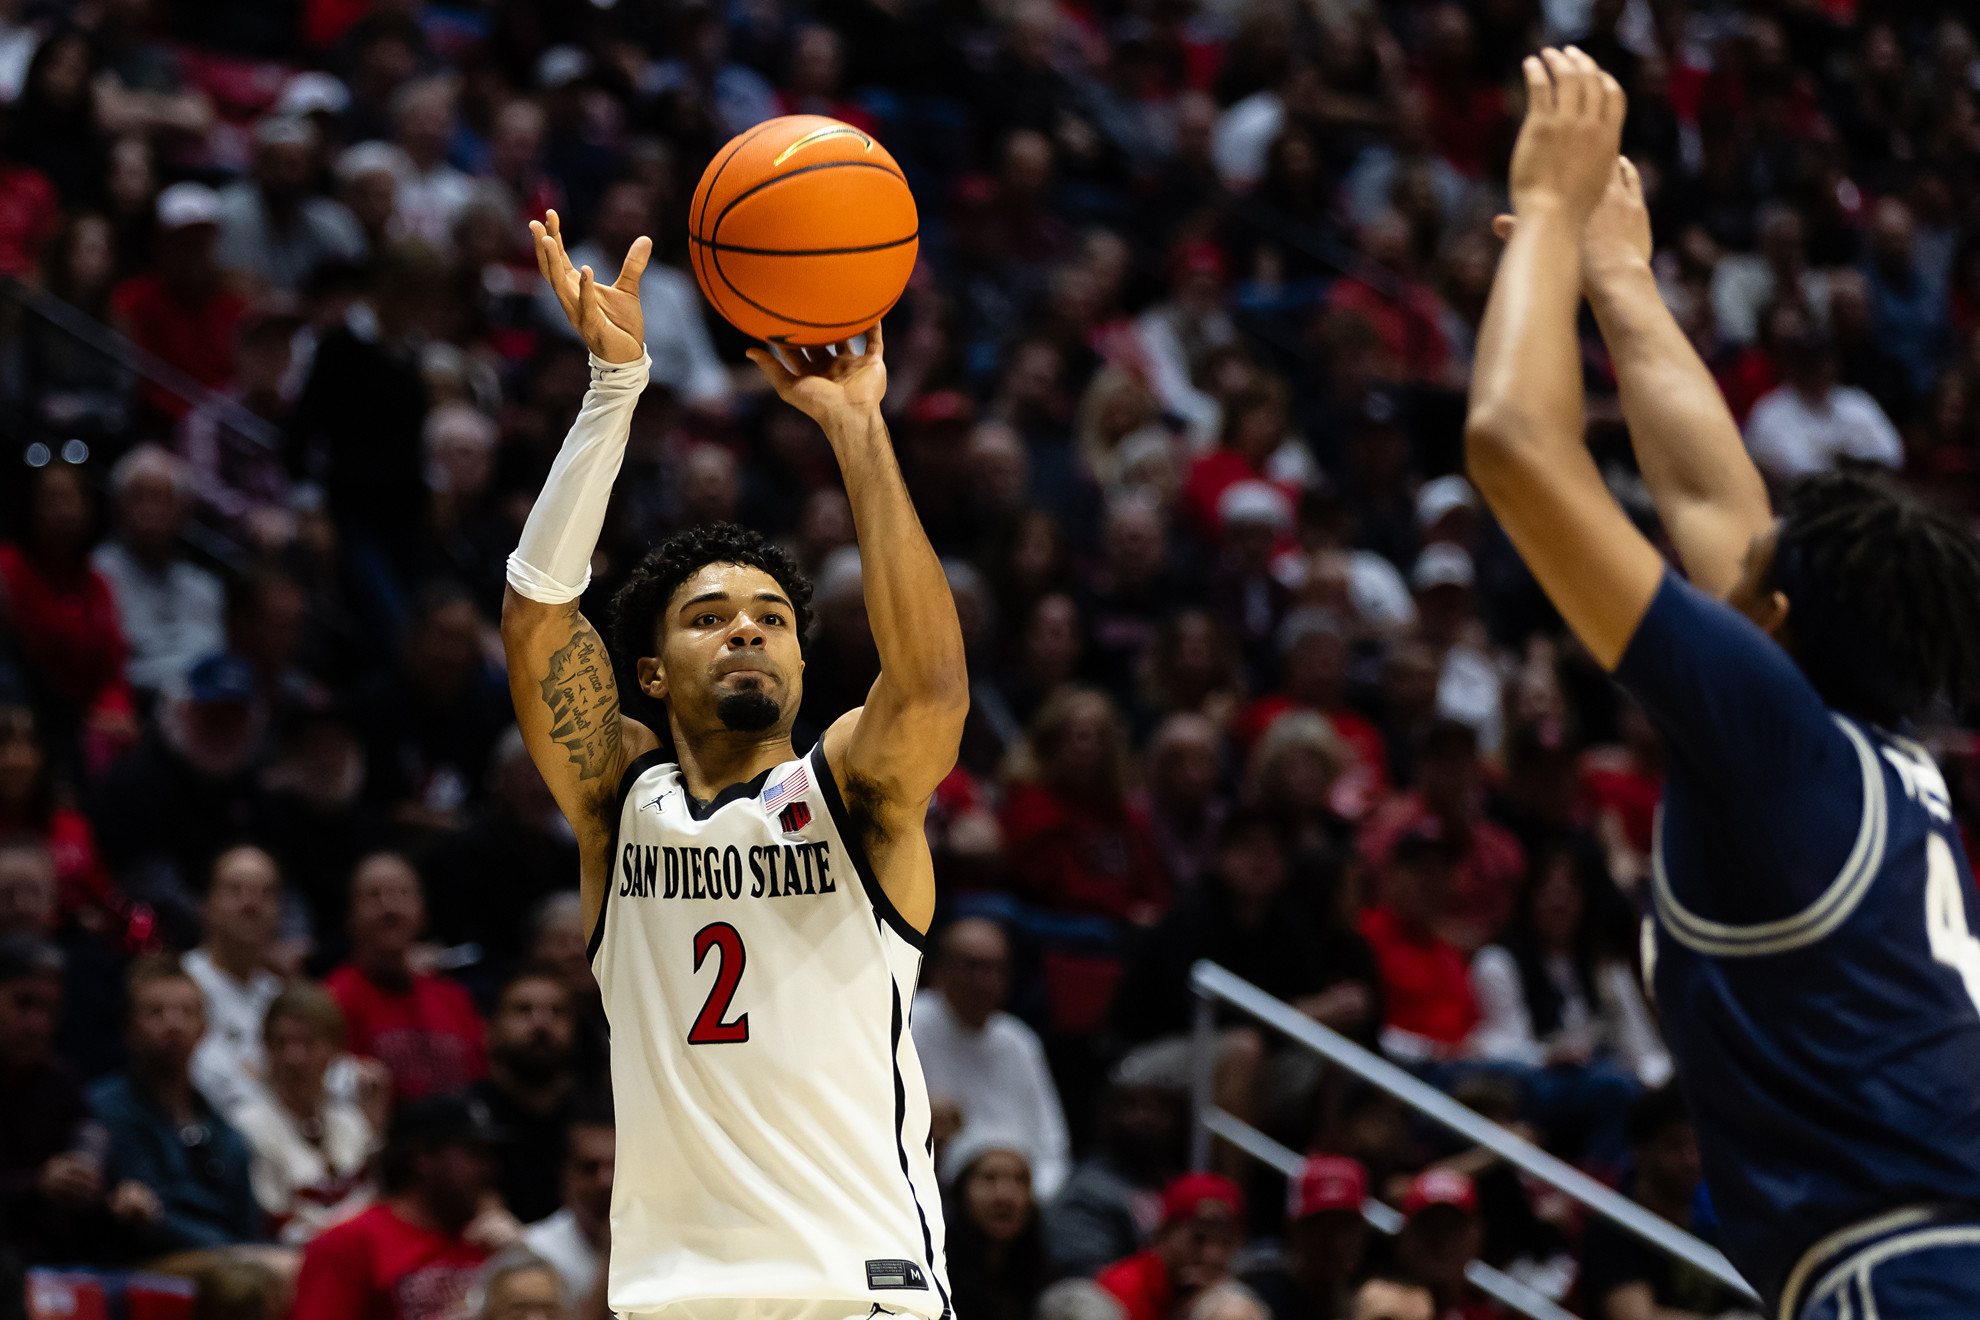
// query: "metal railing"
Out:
[1211,984]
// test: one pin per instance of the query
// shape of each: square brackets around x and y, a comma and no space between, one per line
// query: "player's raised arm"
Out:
[889,756]
[1524,440]
[560,673]
[1707,491]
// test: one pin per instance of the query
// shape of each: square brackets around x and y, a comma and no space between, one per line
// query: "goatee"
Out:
[747,711]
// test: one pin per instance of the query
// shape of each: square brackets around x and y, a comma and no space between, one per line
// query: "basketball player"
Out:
[757,915]
[1812,950]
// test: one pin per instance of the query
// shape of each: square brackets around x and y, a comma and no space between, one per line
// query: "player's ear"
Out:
[1771,613]
[652,677]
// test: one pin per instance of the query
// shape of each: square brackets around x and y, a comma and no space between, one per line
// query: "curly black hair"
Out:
[636,606]
[1883,594]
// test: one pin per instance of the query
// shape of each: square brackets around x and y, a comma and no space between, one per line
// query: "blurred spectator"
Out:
[171,612]
[1621,1277]
[163,1134]
[31,806]
[530,1091]
[558,939]
[519,1286]
[311,1147]
[1809,423]
[1388,1298]
[507,861]
[1431,1012]
[1313,676]
[1448,802]
[1908,305]
[51,1158]
[233,967]
[1406,313]
[467,539]
[990,1063]
[432,193]
[1084,843]
[181,311]
[414,1255]
[1228,1301]
[676,329]
[998,1256]
[237,481]
[1078,1299]
[92,962]
[1469,687]
[1254,447]
[274,232]
[1184,807]
[1440,1236]
[53,126]
[1202,1227]
[421,1026]
[574,1239]
[1744,286]
[1326,1239]
[187,790]
[1108,1208]
[60,607]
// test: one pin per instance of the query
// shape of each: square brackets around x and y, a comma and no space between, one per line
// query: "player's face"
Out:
[729,656]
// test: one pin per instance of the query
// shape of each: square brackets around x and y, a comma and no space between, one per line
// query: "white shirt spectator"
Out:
[676,335]
[999,1078]
[249,244]
[431,200]
[1619,1019]
[171,619]
[1789,437]
[228,1064]
[307,1186]
[1743,286]
[1243,137]
[560,1241]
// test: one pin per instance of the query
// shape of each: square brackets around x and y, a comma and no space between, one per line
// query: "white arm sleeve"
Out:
[552,562]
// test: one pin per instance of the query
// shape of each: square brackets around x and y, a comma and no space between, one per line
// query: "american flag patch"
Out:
[792,785]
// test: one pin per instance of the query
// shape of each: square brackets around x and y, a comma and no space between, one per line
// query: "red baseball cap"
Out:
[1185,1197]
[1440,1187]
[1328,1182]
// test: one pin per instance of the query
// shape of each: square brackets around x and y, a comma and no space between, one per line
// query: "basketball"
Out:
[803,231]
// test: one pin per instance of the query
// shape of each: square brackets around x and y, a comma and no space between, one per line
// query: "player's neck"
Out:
[712,762]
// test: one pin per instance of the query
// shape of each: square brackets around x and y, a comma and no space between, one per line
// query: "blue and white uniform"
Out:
[1814,958]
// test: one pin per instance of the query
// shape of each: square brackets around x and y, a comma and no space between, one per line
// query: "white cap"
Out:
[1255,502]
[1442,565]
[372,158]
[975,1141]
[313,93]
[1443,496]
[560,66]
[186,204]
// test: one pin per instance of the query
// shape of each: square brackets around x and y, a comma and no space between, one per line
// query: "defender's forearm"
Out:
[1526,378]
[908,604]
[1706,489]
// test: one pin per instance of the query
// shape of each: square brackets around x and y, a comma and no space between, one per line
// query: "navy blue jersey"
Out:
[1813,954]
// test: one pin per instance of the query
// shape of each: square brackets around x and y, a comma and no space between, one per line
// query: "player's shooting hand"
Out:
[607,316]
[1567,146]
[826,383]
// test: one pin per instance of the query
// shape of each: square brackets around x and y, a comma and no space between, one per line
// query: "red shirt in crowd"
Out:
[1424,979]
[1140,1284]
[30,214]
[1209,477]
[1408,324]
[376,1266]
[67,625]
[1360,735]
[1484,880]
[1077,856]
[197,338]
[1613,783]
[428,1034]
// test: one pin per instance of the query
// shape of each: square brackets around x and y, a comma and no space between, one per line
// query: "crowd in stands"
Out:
[294,996]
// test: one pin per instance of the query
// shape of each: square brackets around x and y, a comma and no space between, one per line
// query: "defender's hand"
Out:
[608,317]
[1616,239]
[824,383]
[1567,147]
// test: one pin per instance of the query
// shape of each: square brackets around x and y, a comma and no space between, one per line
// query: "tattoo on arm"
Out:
[584,702]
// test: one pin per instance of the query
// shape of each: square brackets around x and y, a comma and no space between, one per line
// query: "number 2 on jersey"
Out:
[1946,930]
[709,1028]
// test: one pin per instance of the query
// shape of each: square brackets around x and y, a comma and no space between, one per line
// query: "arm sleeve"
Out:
[552,562]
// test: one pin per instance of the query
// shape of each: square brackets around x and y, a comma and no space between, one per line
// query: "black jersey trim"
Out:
[640,765]
[900,1143]
[883,907]
[733,793]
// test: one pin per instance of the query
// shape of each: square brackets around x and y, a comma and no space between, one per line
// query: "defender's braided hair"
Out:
[636,606]
[1883,592]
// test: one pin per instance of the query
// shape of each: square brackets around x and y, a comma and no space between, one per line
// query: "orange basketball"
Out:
[803,231]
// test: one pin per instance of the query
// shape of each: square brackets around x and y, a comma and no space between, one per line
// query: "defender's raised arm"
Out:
[560,672]
[890,755]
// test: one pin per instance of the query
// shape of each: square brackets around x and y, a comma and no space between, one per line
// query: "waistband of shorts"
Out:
[1821,1259]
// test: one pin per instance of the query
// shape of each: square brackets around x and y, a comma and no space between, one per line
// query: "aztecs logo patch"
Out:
[794,817]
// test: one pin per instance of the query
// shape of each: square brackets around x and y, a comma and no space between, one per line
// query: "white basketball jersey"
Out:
[773,1120]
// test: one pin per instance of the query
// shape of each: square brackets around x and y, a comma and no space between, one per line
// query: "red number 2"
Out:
[709,1028]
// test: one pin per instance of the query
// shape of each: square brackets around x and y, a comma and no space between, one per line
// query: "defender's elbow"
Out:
[1497,436]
